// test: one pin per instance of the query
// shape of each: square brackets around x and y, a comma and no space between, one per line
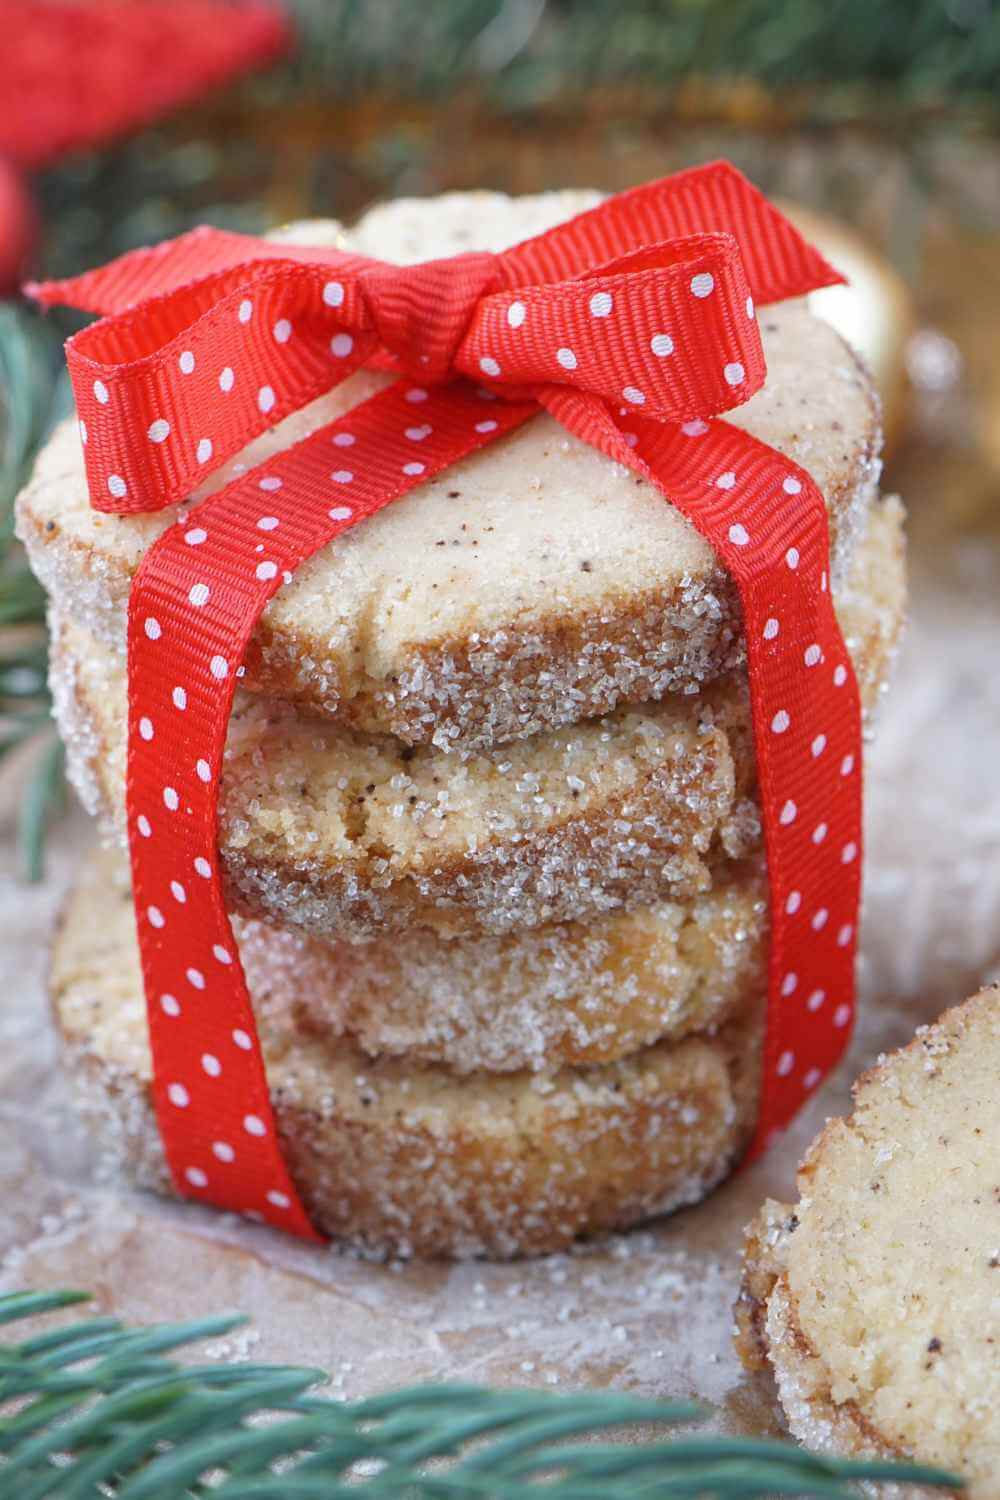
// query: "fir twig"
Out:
[93,1408]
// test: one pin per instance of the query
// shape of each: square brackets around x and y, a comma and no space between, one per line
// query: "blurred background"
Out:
[128,120]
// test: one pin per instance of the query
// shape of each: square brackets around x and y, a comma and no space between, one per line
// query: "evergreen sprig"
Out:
[94,1409]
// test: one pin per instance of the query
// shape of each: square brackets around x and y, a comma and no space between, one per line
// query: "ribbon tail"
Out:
[767,522]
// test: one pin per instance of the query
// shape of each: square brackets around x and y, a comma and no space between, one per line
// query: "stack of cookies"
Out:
[488,817]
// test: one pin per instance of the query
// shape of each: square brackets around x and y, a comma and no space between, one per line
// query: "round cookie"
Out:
[350,836]
[405,1159]
[532,585]
[876,1299]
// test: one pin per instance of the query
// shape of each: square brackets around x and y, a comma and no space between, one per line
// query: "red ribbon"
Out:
[634,326]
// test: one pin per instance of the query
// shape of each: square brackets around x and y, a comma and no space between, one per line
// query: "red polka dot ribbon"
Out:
[634,326]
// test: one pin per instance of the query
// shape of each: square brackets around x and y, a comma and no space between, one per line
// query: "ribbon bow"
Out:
[634,325]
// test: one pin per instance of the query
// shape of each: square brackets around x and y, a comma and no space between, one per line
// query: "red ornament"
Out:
[634,326]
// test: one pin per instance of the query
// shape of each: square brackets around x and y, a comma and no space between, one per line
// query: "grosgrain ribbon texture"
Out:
[634,326]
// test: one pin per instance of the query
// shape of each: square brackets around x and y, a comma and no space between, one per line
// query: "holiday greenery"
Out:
[94,1409]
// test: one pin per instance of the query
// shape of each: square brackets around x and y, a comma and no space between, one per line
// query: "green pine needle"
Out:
[93,1409]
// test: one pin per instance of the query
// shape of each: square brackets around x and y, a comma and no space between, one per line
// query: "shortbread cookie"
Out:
[566,994]
[407,1159]
[350,836]
[534,584]
[876,1299]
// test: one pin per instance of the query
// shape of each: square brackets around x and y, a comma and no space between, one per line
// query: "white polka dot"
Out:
[749,307]
[211,1064]
[601,304]
[117,486]
[662,345]
[789,985]
[822,582]
[703,284]
[738,535]
[516,314]
[780,722]
[180,698]
[819,919]
[171,801]
[489,365]
[226,379]
[282,331]
[280,1200]
[788,813]
[195,977]
[812,1078]
[267,523]
[158,431]
[155,916]
[341,345]
[196,1177]
[819,833]
[844,935]
[344,439]
[490,426]
[101,392]
[83,431]
[634,395]
[839,676]
[340,513]
[734,373]
[847,765]
[786,1063]
[178,1094]
[202,867]
[243,1040]
[632,438]
[812,655]
[266,398]
[566,358]
[791,485]
[144,826]
[413,469]
[816,999]
[169,1005]
[793,903]
[178,892]
[199,594]
[418,434]
[222,955]
[151,625]
[726,481]
[222,1151]
[333,294]
[186,362]
[792,558]
[697,428]
[842,1015]
[245,311]
[416,394]
[266,571]
[849,853]
[254,1125]
[771,628]
[270,483]
[203,770]
[219,667]
[204,451]
[146,728]
[818,745]
[342,476]
[196,536]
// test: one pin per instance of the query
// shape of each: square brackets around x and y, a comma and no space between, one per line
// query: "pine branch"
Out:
[92,1408]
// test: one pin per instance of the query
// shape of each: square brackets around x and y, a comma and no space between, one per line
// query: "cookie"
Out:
[532,585]
[405,1159]
[350,836]
[876,1299]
